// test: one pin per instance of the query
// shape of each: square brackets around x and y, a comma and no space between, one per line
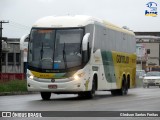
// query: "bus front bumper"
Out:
[59,85]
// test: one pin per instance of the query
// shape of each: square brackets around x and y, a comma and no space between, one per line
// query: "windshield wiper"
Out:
[41,51]
[64,56]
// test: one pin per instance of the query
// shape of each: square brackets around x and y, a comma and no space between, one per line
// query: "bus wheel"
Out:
[45,95]
[91,94]
[124,89]
[81,95]
[114,92]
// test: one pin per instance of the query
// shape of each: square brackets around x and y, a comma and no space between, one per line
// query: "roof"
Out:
[13,40]
[147,37]
[152,33]
[75,21]
[114,27]
[65,21]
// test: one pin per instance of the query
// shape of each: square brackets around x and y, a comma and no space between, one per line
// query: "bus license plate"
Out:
[52,86]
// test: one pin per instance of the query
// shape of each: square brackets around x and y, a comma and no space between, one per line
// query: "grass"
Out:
[13,86]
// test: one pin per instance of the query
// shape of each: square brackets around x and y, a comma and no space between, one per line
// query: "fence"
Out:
[11,76]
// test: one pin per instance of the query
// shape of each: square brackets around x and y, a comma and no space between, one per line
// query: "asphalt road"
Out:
[138,99]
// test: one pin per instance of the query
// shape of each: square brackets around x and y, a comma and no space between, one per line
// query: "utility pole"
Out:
[1,22]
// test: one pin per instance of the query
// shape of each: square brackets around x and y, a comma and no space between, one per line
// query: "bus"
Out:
[80,55]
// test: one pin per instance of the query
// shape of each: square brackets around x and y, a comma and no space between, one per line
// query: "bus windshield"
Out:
[55,48]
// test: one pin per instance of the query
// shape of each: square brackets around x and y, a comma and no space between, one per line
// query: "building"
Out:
[149,44]
[12,56]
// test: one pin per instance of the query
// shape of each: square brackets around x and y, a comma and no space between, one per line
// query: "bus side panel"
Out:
[98,67]
[109,69]
[124,64]
[117,64]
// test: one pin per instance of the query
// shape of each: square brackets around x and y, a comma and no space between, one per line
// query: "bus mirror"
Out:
[85,41]
[28,37]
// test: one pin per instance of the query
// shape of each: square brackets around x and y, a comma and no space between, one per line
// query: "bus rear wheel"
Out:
[124,89]
[45,95]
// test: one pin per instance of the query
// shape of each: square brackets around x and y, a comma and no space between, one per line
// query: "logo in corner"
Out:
[151,9]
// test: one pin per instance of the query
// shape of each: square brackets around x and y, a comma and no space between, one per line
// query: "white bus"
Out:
[80,55]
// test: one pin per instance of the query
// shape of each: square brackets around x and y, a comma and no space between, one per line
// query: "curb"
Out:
[16,93]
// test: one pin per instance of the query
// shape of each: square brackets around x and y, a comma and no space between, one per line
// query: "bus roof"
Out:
[75,21]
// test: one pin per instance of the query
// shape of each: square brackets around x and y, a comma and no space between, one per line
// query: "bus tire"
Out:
[45,95]
[124,88]
[81,95]
[114,92]
[91,94]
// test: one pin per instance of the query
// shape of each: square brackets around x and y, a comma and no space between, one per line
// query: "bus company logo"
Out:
[151,9]
[52,80]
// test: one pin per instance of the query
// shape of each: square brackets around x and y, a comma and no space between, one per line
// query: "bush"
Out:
[14,86]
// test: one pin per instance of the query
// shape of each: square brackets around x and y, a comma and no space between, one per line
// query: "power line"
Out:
[19,24]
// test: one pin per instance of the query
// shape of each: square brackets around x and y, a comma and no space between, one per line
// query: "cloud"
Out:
[128,13]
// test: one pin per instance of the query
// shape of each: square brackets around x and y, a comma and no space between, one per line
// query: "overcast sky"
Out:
[23,13]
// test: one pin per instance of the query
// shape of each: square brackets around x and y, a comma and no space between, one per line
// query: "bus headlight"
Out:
[31,77]
[78,76]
